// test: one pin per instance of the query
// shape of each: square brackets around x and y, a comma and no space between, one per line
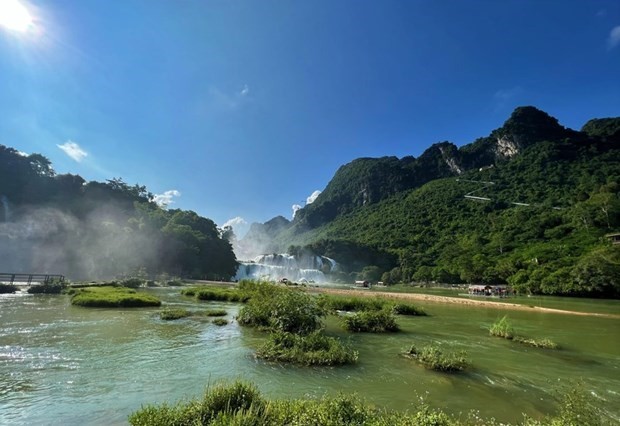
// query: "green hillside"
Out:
[536,218]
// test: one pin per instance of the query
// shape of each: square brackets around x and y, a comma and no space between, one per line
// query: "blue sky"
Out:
[246,108]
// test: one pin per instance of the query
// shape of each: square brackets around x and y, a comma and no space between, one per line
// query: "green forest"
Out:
[59,223]
[536,218]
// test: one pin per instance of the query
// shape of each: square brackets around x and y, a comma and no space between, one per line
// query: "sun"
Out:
[14,16]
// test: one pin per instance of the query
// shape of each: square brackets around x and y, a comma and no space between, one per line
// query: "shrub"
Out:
[217,293]
[112,297]
[52,287]
[7,288]
[371,322]
[434,358]
[282,309]
[502,328]
[133,282]
[352,304]
[220,321]
[408,309]
[174,314]
[312,349]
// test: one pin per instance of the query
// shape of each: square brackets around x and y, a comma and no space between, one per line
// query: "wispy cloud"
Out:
[73,150]
[309,200]
[505,96]
[227,100]
[614,37]
[165,199]
[296,208]
[601,13]
[312,198]
[235,222]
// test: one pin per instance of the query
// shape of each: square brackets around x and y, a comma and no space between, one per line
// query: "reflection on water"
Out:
[61,364]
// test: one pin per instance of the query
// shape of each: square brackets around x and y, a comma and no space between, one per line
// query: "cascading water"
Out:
[274,267]
[5,205]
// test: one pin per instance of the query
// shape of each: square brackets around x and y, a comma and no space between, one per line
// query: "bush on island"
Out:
[112,297]
[174,314]
[371,322]
[52,287]
[312,349]
[7,288]
[434,358]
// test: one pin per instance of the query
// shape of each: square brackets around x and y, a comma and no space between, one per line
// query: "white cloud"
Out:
[295,208]
[507,94]
[73,150]
[614,37]
[22,153]
[235,222]
[227,100]
[313,197]
[245,90]
[165,199]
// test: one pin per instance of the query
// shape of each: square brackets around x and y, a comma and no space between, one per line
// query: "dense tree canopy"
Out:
[63,224]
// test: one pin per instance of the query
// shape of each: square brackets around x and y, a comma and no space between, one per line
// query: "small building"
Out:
[614,238]
[489,290]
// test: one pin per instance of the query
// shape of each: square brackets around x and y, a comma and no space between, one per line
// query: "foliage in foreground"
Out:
[503,328]
[370,322]
[313,349]
[112,297]
[242,404]
[434,358]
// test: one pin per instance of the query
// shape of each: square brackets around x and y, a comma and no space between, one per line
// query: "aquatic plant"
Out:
[174,314]
[112,297]
[241,404]
[433,358]
[371,322]
[220,321]
[408,309]
[213,313]
[502,328]
[216,293]
[537,343]
[351,304]
[312,349]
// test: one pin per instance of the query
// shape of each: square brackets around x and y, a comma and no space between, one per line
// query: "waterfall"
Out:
[5,205]
[274,267]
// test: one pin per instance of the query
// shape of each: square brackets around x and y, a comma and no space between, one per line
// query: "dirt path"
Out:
[456,300]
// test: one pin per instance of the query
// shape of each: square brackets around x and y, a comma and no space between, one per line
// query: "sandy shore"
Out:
[457,300]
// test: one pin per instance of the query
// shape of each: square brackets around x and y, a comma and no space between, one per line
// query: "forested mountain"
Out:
[52,223]
[530,205]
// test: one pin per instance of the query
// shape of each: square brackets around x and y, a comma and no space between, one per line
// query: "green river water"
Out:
[61,364]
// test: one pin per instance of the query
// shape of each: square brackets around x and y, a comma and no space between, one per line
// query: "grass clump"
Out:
[214,313]
[408,309]
[371,322]
[312,349]
[502,328]
[352,304]
[220,321]
[216,293]
[174,314]
[434,358]
[7,288]
[112,297]
[536,343]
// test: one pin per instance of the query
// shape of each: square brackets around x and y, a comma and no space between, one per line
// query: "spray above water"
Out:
[5,208]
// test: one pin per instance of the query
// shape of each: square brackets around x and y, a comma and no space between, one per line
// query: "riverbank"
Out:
[457,300]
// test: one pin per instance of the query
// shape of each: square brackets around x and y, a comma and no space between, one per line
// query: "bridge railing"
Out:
[29,279]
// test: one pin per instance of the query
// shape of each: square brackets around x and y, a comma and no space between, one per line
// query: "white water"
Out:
[274,267]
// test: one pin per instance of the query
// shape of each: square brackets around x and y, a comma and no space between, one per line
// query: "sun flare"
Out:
[14,16]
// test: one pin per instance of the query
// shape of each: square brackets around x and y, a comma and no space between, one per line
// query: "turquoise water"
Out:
[61,364]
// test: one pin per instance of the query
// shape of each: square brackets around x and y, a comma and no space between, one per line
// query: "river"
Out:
[61,364]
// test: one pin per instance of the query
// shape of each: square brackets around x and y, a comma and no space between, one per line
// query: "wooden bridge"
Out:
[29,279]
